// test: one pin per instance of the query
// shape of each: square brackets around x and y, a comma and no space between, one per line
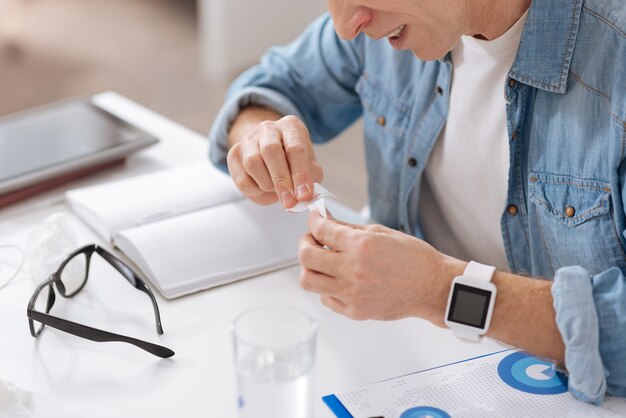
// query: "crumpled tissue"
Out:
[15,402]
[320,193]
[48,245]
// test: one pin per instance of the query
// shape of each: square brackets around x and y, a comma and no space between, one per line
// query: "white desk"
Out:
[72,377]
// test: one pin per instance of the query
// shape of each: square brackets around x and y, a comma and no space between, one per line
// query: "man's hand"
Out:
[373,272]
[273,159]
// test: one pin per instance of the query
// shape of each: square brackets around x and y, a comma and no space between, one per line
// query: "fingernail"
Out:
[286,198]
[302,191]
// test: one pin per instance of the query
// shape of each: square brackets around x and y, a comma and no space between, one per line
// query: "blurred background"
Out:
[176,57]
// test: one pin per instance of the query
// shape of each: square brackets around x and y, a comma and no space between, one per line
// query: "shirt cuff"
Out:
[577,320]
[258,96]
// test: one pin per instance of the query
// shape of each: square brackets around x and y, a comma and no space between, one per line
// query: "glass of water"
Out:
[274,359]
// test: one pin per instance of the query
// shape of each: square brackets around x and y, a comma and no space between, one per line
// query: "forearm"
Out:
[523,314]
[247,120]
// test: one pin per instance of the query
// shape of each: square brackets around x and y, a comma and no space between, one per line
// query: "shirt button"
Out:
[412,162]
[512,82]
[512,209]
[439,90]
[381,121]
[570,211]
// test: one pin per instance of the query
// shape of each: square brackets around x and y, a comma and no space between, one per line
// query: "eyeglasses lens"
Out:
[74,273]
[41,305]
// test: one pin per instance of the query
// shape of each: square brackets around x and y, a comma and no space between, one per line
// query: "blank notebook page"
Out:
[214,246]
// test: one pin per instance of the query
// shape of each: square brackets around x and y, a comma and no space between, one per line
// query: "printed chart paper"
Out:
[508,383]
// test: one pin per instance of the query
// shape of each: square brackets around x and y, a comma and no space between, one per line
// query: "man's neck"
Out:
[488,19]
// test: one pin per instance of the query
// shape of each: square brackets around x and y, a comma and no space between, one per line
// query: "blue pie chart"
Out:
[529,374]
[424,412]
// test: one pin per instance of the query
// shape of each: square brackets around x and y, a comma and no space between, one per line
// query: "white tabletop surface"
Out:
[72,377]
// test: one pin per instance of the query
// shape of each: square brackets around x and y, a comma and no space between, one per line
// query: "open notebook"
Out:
[189,228]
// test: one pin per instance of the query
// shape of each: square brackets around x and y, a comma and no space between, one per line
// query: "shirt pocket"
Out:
[384,114]
[572,218]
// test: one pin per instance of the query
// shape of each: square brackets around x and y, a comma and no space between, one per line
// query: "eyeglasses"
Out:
[69,279]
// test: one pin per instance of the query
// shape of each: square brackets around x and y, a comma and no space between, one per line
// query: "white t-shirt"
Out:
[465,184]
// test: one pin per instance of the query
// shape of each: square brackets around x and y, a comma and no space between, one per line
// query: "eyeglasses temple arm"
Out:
[97,335]
[135,280]
[157,316]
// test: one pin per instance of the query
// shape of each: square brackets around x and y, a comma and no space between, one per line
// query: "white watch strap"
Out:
[471,337]
[479,272]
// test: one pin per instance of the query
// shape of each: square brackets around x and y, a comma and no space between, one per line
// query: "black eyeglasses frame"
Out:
[84,331]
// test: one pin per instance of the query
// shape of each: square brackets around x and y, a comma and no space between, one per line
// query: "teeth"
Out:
[396,33]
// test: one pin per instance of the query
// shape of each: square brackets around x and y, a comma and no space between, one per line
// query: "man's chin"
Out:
[431,55]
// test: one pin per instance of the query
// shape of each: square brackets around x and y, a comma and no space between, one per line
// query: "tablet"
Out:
[60,140]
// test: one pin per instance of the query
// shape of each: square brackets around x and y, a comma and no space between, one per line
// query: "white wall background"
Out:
[234,33]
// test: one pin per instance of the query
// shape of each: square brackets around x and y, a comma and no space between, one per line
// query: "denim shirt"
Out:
[566,111]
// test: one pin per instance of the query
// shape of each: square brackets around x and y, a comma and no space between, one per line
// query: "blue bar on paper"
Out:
[336,406]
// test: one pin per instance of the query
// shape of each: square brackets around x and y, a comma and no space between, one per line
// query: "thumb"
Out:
[330,217]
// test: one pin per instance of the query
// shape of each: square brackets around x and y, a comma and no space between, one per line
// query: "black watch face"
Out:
[469,305]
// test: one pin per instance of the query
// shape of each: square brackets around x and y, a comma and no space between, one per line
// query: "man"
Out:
[494,129]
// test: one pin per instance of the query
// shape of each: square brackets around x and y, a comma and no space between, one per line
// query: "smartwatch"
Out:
[470,303]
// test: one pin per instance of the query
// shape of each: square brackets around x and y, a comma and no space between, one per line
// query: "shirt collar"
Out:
[545,50]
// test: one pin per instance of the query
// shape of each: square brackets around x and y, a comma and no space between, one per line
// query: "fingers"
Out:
[273,154]
[314,257]
[240,176]
[300,158]
[335,304]
[317,172]
[277,156]
[331,232]
[315,282]
[254,165]
[266,198]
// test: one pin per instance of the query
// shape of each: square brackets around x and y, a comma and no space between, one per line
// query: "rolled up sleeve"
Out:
[591,317]
[259,96]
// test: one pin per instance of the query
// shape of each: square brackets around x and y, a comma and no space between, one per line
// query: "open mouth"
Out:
[396,33]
